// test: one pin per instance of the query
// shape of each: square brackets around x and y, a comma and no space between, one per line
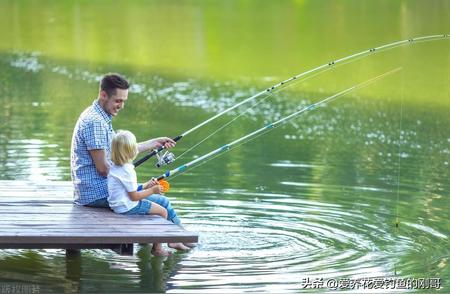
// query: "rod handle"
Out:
[153,153]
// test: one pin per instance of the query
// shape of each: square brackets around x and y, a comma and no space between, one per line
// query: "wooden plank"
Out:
[5,241]
[65,237]
[51,209]
[35,184]
[88,224]
[42,215]
[74,249]
[45,210]
[42,204]
[146,229]
[60,246]
[79,220]
[5,199]
[68,213]
[82,227]
[101,232]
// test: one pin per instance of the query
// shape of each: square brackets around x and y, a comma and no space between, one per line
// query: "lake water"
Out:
[316,198]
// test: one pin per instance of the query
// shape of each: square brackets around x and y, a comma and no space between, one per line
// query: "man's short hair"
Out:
[112,81]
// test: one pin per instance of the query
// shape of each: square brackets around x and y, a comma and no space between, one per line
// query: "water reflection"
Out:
[90,271]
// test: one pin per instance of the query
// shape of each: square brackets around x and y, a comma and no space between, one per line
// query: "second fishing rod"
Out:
[169,157]
[271,126]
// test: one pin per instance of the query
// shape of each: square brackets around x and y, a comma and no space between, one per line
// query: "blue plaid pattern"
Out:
[93,130]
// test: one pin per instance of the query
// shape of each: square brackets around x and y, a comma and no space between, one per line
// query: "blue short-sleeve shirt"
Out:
[93,130]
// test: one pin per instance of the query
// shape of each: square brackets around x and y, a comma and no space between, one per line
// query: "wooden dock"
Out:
[40,215]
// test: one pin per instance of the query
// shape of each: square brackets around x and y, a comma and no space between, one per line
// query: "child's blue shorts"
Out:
[142,208]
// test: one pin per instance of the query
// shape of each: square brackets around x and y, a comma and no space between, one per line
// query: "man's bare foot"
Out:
[178,246]
[190,245]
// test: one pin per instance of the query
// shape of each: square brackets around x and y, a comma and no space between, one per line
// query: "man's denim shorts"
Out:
[142,208]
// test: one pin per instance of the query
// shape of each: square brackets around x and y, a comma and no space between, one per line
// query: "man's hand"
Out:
[156,143]
[165,141]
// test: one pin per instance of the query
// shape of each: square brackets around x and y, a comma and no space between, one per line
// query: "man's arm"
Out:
[156,143]
[101,164]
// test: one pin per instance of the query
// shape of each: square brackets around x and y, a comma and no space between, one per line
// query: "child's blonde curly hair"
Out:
[124,147]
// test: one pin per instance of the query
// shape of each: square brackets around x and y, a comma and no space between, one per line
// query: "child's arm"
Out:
[138,195]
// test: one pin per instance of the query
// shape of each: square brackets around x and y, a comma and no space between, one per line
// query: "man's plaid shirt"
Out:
[93,130]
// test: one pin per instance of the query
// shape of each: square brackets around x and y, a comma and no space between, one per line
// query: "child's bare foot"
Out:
[161,252]
[157,250]
[178,246]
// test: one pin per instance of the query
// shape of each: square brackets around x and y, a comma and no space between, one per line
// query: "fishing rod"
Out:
[271,126]
[168,158]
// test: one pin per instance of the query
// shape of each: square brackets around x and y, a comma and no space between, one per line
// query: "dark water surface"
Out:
[316,198]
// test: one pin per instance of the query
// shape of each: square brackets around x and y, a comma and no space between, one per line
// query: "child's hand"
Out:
[157,189]
[152,182]
[154,185]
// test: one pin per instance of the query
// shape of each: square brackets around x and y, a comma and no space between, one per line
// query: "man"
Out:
[91,142]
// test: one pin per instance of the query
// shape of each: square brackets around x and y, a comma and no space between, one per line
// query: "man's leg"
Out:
[100,203]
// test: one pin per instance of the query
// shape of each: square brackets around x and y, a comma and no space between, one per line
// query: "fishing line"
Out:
[225,125]
[270,126]
[397,222]
[222,153]
[270,94]
[282,84]
[400,137]
[278,125]
[172,178]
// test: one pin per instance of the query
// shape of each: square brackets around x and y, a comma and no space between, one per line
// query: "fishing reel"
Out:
[165,159]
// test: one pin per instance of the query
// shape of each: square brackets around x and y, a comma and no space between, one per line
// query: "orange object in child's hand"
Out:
[165,185]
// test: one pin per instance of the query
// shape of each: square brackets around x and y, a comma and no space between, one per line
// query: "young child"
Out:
[124,194]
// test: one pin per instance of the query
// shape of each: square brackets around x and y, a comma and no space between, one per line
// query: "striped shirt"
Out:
[93,130]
